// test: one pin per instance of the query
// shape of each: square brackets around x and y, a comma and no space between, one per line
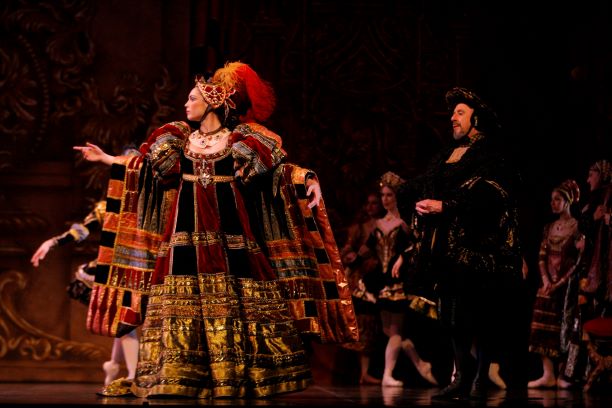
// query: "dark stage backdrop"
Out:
[360,87]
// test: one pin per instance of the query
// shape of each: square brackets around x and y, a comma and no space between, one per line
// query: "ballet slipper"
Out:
[389,381]
[111,369]
[368,379]
[424,370]
[495,377]
[543,382]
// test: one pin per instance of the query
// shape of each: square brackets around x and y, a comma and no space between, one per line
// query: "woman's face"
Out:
[372,206]
[557,202]
[387,196]
[195,105]
[594,179]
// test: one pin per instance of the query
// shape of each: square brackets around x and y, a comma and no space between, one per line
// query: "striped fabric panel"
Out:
[309,268]
[125,258]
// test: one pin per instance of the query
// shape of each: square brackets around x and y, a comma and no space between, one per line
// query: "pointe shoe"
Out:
[368,379]
[494,376]
[543,382]
[391,382]
[111,369]
[425,370]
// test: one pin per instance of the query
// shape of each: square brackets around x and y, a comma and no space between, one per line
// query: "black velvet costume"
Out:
[470,251]
[387,247]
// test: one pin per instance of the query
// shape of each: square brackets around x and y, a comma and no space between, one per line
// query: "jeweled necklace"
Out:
[207,139]
[389,217]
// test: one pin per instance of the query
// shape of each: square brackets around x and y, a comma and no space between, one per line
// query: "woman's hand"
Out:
[580,242]
[83,276]
[599,212]
[395,270]
[367,296]
[42,251]
[524,269]
[239,168]
[602,212]
[546,288]
[349,258]
[313,188]
[93,153]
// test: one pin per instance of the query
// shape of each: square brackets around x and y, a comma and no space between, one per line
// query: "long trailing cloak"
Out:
[302,251]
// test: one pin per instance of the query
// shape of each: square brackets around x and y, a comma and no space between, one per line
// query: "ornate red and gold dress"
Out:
[558,256]
[228,277]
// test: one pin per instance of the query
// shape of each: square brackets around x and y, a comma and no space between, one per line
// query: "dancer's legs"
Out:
[423,367]
[111,367]
[129,344]
[392,326]
[548,378]
[125,349]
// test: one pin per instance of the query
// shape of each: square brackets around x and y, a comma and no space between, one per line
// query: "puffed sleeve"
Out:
[79,232]
[257,148]
[164,151]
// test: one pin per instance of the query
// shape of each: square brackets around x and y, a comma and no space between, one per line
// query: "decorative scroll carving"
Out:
[121,121]
[162,110]
[45,49]
[50,94]
[20,339]
[14,223]
[371,83]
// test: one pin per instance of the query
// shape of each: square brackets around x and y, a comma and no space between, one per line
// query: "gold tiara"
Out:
[391,180]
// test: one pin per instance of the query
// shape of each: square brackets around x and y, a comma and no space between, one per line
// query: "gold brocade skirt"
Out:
[215,336]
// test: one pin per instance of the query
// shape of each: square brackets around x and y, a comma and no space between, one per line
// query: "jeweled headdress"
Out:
[604,169]
[215,94]
[570,190]
[391,180]
[237,86]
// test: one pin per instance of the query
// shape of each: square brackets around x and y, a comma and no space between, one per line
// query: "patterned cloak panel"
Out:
[308,264]
[136,210]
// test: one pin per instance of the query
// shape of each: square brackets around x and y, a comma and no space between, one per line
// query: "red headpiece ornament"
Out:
[237,85]
[569,190]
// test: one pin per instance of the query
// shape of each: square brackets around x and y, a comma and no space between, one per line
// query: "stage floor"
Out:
[47,394]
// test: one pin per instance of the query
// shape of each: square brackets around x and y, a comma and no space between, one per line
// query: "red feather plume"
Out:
[251,87]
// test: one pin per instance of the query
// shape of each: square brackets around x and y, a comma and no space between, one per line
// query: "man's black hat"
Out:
[484,117]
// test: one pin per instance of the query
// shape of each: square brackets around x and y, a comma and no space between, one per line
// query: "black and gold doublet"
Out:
[470,252]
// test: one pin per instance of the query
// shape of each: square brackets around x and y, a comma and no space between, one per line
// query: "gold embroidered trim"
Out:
[206,179]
